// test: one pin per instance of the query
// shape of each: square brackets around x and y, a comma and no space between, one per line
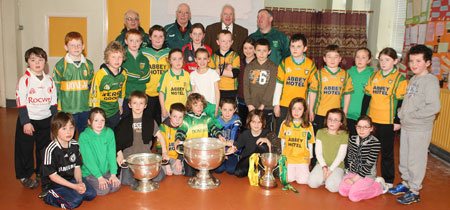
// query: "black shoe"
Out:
[43,194]
[29,183]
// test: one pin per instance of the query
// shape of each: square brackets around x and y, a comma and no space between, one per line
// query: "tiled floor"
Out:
[234,193]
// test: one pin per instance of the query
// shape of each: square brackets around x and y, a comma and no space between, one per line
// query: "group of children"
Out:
[172,95]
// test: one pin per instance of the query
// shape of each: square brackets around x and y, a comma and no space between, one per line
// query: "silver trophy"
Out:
[203,154]
[269,161]
[145,166]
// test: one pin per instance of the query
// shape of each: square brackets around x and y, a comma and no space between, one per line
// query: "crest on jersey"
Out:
[375,80]
[72,158]
[390,81]
[190,58]
[49,90]
[342,79]
[275,43]
[306,71]
[141,65]
[288,132]
[32,91]
[107,87]
[170,84]
[288,70]
[85,73]
[325,79]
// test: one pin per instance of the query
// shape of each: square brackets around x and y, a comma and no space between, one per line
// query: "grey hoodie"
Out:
[421,103]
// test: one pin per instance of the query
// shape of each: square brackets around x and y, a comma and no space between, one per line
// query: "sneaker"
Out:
[409,198]
[399,189]
[389,185]
[383,184]
[29,183]
[43,194]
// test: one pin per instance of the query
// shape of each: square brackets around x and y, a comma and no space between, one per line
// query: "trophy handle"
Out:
[178,150]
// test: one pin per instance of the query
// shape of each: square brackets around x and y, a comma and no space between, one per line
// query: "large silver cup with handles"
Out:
[203,154]
[145,166]
[269,161]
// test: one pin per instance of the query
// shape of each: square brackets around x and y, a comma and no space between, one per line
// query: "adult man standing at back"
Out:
[132,21]
[279,42]
[178,33]
[238,32]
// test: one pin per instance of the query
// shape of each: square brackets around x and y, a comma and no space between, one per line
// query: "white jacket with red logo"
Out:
[36,95]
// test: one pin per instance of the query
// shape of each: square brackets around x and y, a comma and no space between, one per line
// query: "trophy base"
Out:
[144,186]
[203,181]
[267,183]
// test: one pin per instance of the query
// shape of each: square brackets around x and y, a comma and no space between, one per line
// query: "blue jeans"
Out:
[81,119]
[228,165]
[64,197]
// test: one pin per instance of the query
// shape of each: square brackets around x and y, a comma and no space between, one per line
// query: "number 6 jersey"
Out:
[259,83]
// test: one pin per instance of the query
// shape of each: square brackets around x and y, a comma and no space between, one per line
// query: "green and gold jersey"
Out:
[297,138]
[295,78]
[106,90]
[72,82]
[158,64]
[330,87]
[385,90]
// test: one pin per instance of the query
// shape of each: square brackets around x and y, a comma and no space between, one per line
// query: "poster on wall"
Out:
[417,11]
[435,33]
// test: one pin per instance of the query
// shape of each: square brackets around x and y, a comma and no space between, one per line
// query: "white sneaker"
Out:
[383,184]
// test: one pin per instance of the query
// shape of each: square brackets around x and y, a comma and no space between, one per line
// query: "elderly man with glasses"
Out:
[178,33]
[132,21]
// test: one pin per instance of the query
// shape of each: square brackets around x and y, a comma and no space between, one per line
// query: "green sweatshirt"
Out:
[279,44]
[98,152]
[138,72]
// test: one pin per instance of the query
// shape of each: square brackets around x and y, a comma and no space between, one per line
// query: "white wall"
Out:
[9,44]
[160,15]
[34,14]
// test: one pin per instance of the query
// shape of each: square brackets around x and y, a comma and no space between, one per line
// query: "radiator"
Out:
[441,130]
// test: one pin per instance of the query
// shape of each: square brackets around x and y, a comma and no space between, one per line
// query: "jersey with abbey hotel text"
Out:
[385,90]
[106,90]
[175,88]
[36,95]
[297,138]
[60,160]
[295,78]
[73,82]
[330,87]
[157,60]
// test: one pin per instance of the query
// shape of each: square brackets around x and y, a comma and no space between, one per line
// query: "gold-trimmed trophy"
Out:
[269,162]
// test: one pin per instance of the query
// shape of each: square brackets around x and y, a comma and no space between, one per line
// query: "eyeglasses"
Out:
[183,13]
[130,19]
[363,127]
[333,120]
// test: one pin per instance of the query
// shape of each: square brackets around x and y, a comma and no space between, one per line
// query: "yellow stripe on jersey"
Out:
[295,78]
[74,85]
[385,90]
[330,87]
[296,137]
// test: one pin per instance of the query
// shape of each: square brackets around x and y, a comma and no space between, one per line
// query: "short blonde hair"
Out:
[114,47]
